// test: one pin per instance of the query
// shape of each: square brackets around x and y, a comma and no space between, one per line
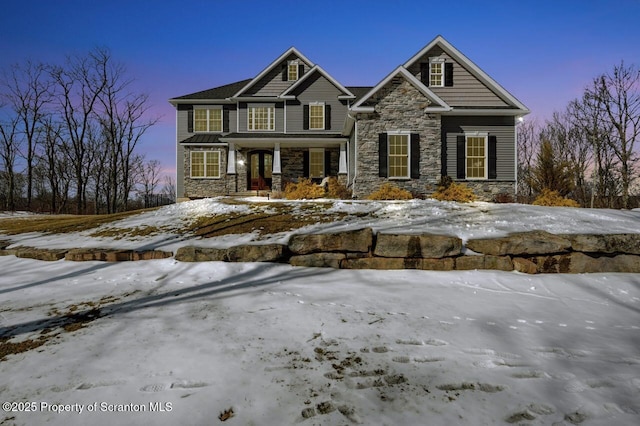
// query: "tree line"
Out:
[68,138]
[589,151]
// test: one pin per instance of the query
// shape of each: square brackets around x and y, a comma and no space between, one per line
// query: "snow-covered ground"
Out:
[179,343]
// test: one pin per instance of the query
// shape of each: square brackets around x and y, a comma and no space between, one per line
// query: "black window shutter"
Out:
[285,73]
[327,163]
[461,156]
[448,74]
[424,73]
[493,154]
[415,155]
[225,120]
[305,117]
[190,120]
[327,117]
[300,71]
[382,155]
[305,164]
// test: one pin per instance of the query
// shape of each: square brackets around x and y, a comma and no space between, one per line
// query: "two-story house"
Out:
[437,114]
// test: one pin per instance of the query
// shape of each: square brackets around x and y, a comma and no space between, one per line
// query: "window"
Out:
[316,116]
[205,164]
[261,118]
[292,71]
[398,155]
[316,163]
[476,165]
[207,120]
[436,73]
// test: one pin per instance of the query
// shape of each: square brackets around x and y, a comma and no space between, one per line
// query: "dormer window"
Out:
[292,70]
[436,72]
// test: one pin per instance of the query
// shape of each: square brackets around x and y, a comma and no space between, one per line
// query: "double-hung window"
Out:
[261,118]
[292,70]
[476,156]
[398,155]
[207,120]
[316,116]
[205,164]
[436,72]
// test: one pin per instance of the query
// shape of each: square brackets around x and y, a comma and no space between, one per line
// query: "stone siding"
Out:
[487,190]
[398,106]
[205,187]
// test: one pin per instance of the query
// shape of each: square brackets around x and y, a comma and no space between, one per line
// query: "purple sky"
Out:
[543,52]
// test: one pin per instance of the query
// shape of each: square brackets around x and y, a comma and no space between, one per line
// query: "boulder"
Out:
[417,246]
[318,260]
[256,253]
[608,243]
[150,255]
[581,263]
[200,254]
[521,243]
[49,255]
[358,241]
[499,263]
[382,263]
[442,264]
[526,266]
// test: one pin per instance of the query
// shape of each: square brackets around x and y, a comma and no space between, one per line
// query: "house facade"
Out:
[436,115]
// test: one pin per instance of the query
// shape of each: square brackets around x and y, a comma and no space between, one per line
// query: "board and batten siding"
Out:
[503,128]
[316,89]
[467,90]
[272,84]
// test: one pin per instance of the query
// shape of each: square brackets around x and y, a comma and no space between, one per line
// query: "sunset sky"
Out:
[543,52]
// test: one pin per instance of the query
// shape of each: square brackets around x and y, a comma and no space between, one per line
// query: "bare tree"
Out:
[150,179]
[28,92]
[8,153]
[618,95]
[169,188]
[527,150]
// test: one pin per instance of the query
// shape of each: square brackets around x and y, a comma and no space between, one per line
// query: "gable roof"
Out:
[291,50]
[319,69]
[440,105]
[471,67]
[217,93]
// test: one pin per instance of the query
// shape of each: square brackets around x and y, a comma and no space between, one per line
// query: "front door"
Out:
[260,166]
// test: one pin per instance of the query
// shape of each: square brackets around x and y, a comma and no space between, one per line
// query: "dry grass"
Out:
[455,192]
[389,191]
[61,224]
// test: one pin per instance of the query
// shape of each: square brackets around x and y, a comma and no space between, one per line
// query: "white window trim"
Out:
[440,61]
[323,115]
[484,135]
[271,120]
[206,153]
[208,120]
[324,166]
[289,64]
[406,133]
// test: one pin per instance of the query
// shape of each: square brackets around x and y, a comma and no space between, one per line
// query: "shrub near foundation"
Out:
[390,192]
[455,192]
[304,189]
[337,189]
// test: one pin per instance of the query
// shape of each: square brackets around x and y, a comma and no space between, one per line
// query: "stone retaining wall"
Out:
[529,252]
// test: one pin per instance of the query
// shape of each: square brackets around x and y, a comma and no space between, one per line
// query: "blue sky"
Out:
[543,52]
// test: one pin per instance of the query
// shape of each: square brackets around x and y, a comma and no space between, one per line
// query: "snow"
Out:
[187,341]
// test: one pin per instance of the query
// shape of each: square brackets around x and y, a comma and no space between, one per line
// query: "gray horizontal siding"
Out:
[501,127]
[467,90]
[316,89]
[272,84]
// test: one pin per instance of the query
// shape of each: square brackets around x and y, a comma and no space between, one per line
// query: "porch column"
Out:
[342,163]
[231,159]
[277,168]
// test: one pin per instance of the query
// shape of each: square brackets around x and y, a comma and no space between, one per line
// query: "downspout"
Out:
[355,154]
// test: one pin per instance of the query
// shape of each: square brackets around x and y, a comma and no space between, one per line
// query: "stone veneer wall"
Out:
[205,187]
[486,190]
[398,106]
